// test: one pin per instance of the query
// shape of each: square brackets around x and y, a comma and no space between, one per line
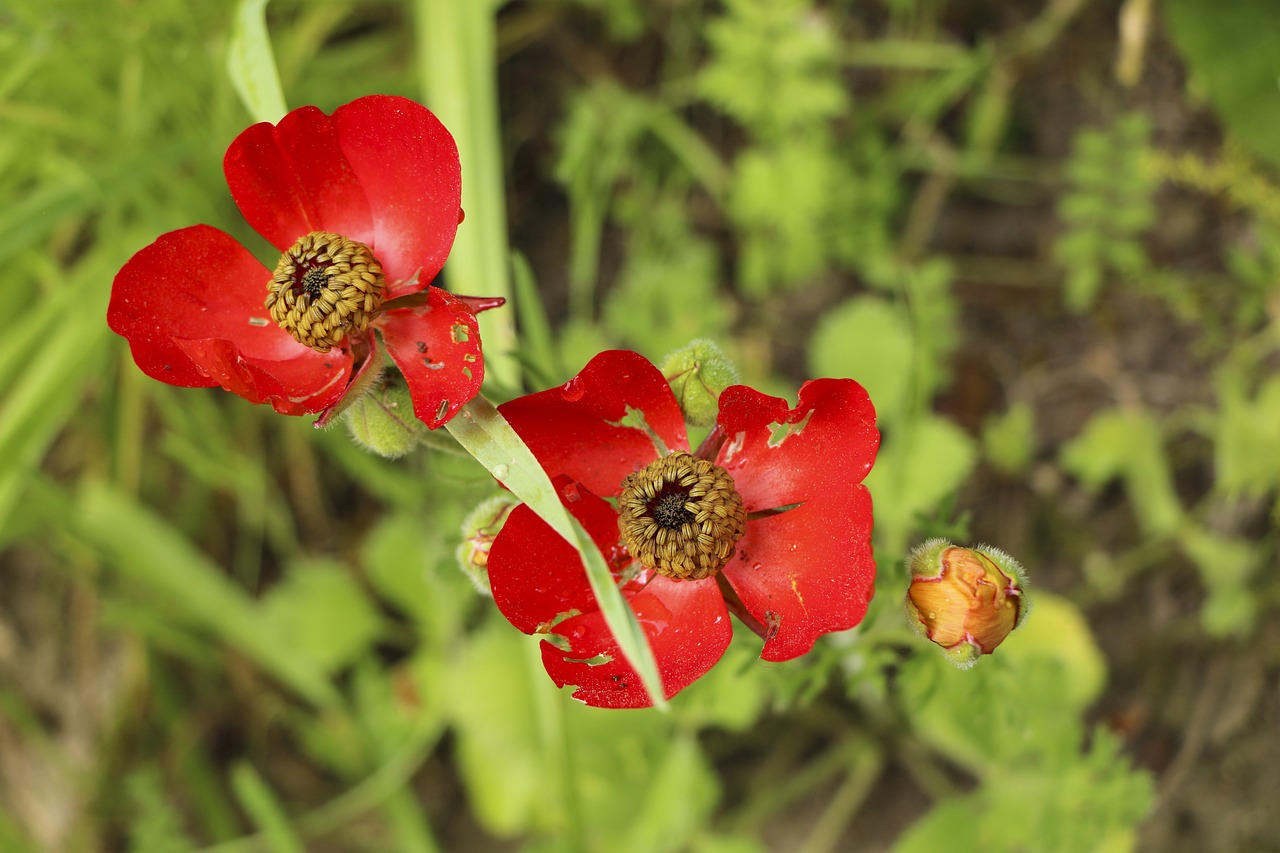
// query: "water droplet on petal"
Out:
[571,493]
[573,390]
[500,471]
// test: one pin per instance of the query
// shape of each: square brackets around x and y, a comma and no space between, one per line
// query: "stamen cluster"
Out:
[325,288]
[681,516]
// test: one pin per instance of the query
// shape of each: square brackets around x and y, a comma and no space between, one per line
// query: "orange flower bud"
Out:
[966,600]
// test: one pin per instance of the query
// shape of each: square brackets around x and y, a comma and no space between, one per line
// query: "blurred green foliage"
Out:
[221,629]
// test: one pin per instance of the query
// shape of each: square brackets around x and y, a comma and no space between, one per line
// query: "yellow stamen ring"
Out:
[681,516]
[325,288]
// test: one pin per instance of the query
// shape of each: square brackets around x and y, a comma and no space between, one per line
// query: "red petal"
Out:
[688,628]
[536,576]
[292,178]
[575,429]
[310,382]
[809,570]
[191,306]
[437,348]
[407,163]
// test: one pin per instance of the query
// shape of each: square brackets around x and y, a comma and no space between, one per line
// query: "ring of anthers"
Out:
[681,516]
[325,288]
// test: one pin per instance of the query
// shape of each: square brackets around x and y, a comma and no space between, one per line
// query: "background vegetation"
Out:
[1046,237]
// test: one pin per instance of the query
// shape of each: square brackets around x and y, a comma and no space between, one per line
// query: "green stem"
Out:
[252,65]
[456,65]
[485,434]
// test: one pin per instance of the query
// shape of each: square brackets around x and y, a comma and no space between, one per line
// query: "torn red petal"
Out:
[478,304]
[292,178]
[577,429]
[536,576]
[688,629]
[808,570]
[828,440]
[437,348]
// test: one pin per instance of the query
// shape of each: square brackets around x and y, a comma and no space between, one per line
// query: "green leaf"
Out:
[264,809]
[400,556]
[773,66]
[1247,435]
[324,613]
[252,65]
[918,466]
[870,340]
[152,553]
[1107,205]
[1128,445]
[1091,801]
[500,753]
[1226,566]
[1008,440]
[1017,706]
[41,393]
[1233,50]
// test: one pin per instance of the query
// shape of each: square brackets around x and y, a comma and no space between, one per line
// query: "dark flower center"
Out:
[681,516]
[669,511]
[325,288]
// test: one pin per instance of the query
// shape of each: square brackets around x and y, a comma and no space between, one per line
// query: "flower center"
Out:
[325,288]
[681,516]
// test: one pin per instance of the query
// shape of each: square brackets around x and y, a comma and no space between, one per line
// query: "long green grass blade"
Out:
[456,50]
[152,553]
[485,433]
[252,65]
[260,802]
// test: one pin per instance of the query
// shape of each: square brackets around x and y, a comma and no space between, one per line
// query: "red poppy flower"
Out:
[364,204]
[768,519]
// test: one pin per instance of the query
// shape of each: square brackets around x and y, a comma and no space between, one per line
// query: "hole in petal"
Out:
[772,624]
[779,433]
[444,408]
[598,660]
[635,419]
[461,334]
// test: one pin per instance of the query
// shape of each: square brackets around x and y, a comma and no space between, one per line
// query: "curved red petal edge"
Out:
[578,428]
[806,572]
[407,165]
[191,306]
[308,383]
[291,178]
[780,456]
[536,576]
[688,629]
[809,570]
[437,348]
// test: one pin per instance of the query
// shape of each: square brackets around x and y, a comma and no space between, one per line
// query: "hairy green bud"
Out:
[697,374]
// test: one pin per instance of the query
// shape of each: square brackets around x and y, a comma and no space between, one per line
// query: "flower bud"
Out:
[966,600]
[382,421]
[479,529]
[697,374]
